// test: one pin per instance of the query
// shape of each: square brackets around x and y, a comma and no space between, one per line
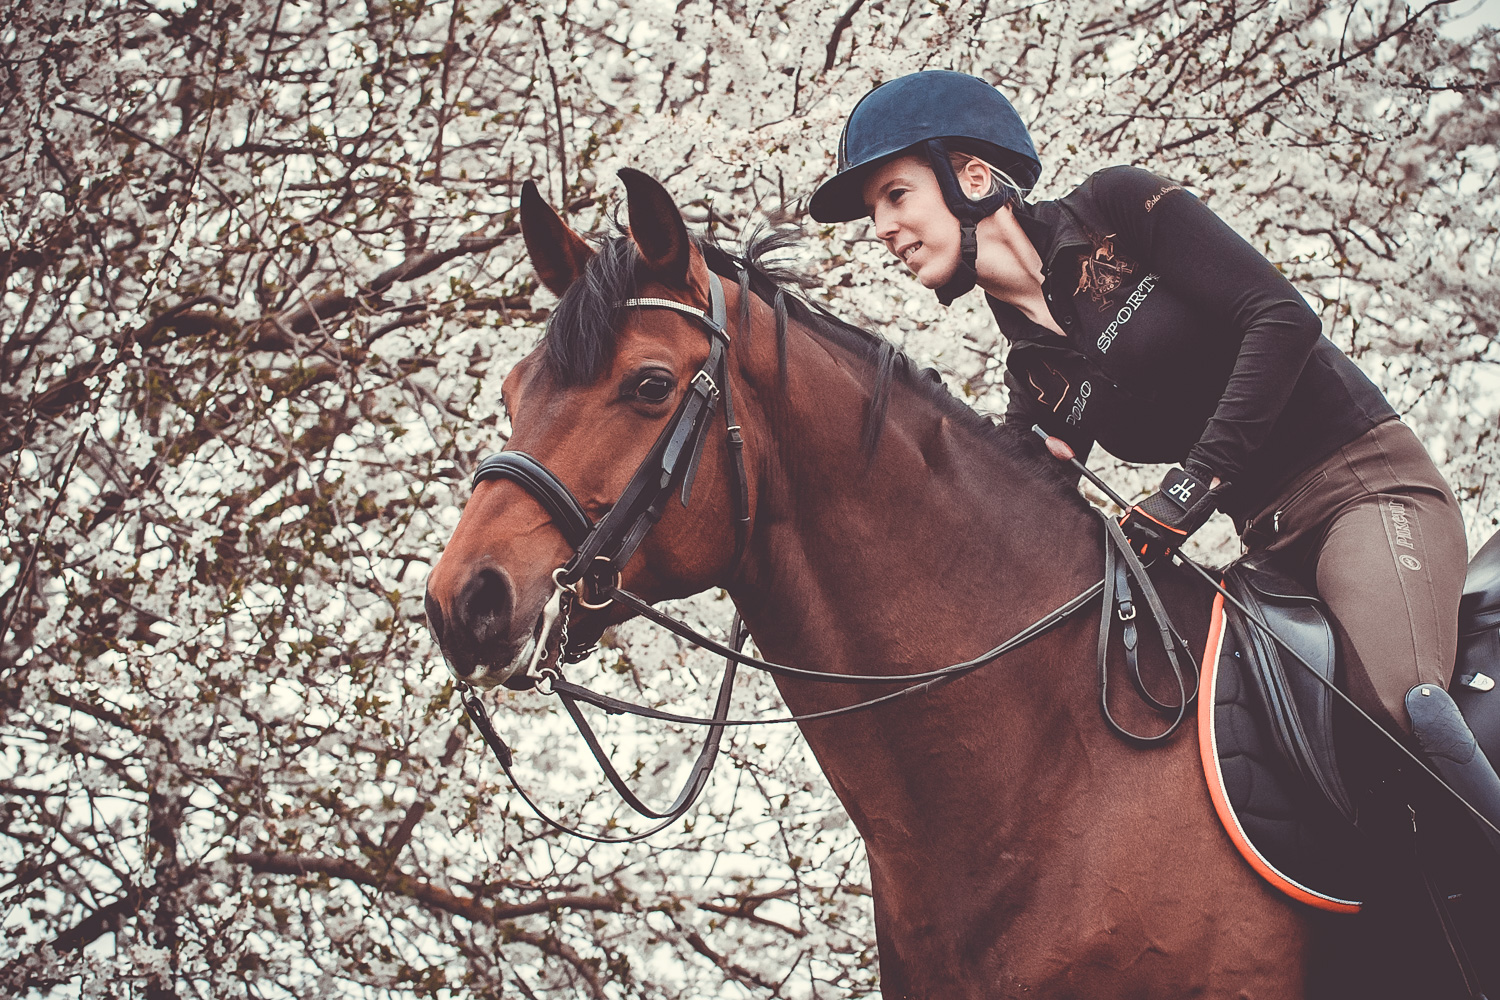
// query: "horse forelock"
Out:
[583,332]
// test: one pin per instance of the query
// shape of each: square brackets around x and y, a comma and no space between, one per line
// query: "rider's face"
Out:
[912,219]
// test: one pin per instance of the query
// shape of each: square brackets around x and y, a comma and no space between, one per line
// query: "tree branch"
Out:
[423,892]
[845,19]
[102,921]
[334,304]
[1378,41]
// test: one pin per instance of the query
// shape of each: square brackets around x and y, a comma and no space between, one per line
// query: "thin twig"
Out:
[845,19]
[562,150]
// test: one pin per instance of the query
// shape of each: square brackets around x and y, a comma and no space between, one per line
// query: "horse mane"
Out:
[582,331]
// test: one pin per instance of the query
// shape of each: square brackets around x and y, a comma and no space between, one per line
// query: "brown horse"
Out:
[1017,848]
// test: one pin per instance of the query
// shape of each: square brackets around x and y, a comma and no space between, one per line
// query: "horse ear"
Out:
[557,253]
[656,226]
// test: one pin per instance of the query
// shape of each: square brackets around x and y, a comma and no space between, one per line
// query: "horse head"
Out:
[600,396]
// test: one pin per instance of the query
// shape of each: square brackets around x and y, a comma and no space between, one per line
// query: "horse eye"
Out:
[654,388]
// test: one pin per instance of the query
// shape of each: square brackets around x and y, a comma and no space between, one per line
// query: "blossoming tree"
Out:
[262,280]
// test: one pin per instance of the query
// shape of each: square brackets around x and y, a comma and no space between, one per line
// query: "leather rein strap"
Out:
[1117,602]
[691,788]
[1120,564]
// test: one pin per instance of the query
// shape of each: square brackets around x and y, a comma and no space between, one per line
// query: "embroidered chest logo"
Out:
[1107,338]
[1102,273]
[1076,413]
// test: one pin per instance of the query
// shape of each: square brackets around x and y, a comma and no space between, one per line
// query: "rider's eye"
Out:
[654,387]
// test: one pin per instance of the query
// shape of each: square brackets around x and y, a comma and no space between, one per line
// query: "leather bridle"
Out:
[591,577]
[600,551]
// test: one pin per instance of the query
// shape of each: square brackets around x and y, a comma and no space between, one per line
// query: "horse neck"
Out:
[870,558]
[928,552]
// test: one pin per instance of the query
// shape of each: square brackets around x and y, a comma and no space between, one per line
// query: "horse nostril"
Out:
[434,616]
[485,604]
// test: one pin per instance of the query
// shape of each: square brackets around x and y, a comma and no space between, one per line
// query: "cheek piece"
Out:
[968,212]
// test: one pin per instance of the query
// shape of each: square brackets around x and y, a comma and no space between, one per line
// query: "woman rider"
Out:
[1138,319]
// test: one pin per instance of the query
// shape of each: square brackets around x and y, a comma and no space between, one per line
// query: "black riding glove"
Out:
[1159,524]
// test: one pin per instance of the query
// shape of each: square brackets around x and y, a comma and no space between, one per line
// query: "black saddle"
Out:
[1267,728]
[1266,732]
[1478,666]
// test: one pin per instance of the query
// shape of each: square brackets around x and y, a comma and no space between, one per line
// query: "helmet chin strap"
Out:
[969,213]
[966,274]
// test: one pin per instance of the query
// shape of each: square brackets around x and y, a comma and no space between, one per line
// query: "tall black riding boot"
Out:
[1450,748]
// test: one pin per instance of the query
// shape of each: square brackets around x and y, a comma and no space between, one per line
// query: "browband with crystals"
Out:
[681,307]
[716,319]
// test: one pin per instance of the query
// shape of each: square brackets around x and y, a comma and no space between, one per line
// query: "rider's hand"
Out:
[1158,525]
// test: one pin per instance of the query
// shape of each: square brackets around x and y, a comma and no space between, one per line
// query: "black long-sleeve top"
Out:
[1183,344]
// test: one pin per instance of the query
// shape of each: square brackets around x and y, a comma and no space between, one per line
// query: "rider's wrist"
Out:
[1198,470]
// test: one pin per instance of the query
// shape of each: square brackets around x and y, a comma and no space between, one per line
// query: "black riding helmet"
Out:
[931,113]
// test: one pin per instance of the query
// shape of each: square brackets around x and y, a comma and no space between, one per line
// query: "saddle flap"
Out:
[1278,822]
[1298,706]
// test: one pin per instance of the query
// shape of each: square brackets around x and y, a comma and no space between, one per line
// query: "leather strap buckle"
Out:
[712,387]
[579,588]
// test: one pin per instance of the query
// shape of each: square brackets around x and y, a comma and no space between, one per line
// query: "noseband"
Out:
[600,551]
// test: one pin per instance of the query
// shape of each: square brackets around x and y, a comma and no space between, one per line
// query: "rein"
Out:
[691,788]
[1117,603]
[591,577]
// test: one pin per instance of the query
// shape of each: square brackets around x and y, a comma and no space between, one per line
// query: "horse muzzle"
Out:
[483,641]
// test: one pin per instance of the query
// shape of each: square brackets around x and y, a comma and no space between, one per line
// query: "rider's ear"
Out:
[657,227]
[557,253]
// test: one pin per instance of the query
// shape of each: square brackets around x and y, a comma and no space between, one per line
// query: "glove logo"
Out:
[1182,492]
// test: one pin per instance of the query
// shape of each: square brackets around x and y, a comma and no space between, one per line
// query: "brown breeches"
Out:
[1376,532]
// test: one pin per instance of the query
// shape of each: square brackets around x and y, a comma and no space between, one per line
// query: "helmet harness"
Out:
[936,112]
[969,212]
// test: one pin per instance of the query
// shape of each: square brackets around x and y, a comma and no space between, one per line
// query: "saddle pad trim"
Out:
[1208,748]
